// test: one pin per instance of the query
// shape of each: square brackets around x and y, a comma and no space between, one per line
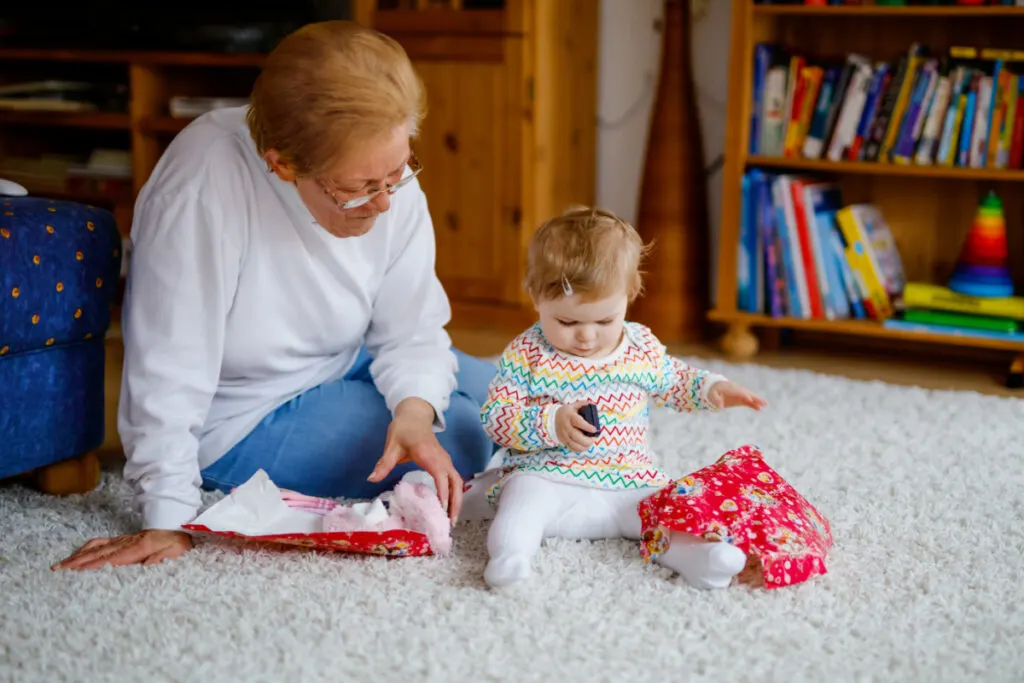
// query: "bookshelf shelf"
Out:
[163,124]
[778,254]
[885,169]
[100,120]
[886,11]
[862,328]
[26,54]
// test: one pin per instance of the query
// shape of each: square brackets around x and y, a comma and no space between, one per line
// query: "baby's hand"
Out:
[571,429]
[730,395]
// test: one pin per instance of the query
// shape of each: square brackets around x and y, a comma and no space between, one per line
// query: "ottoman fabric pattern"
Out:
[59,268]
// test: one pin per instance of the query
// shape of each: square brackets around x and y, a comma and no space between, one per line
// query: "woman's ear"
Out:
[276,165]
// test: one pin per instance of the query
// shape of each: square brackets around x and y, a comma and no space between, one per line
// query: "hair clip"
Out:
[566,287]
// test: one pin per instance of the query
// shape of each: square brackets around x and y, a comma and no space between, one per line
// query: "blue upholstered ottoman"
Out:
[59,268]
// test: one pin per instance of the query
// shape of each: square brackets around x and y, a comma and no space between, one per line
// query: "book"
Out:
[871,251]
[956,108]
[948,319]
[937,297]
[898,324]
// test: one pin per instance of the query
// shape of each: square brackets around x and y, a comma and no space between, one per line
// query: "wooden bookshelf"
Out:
[85,119]
[886,11]
[145,126]
[864,328]
[928,208]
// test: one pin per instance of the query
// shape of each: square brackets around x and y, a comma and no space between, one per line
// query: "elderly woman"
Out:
[282,310]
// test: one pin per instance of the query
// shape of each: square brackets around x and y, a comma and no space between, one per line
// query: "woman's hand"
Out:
[411,438]
[146,547]
[731,395]
[571,429]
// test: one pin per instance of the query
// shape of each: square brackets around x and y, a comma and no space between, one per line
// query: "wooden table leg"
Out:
[739,342]
[77,475]
[1015,380]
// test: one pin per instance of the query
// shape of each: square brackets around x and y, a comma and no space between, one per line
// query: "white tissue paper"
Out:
[257,511]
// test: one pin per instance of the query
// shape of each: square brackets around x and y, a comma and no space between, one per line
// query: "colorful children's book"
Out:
[947,319]
[923,295]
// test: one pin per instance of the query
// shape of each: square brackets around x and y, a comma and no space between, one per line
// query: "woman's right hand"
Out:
[146,547]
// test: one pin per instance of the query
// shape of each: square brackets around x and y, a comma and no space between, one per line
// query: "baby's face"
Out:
[585,328]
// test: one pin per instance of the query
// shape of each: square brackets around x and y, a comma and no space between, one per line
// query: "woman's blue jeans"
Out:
[326,441]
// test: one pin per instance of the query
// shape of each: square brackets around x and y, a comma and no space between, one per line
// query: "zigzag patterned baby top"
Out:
[534,380]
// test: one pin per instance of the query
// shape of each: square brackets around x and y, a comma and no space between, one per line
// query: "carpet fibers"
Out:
[924,490]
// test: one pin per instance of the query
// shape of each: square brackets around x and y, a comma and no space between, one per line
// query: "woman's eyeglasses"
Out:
[414,167]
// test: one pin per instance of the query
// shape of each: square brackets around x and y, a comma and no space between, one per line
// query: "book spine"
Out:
[885,111]
[926,148]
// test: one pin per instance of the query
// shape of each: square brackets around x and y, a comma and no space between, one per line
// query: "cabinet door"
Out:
[464,161]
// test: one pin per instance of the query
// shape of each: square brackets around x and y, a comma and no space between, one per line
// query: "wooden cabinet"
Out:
[510,133]
[509,137]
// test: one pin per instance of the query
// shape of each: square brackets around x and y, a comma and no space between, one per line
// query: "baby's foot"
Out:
[504,571]
[703,564]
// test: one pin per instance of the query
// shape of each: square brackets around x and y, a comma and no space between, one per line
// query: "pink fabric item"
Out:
[420,510]
[413,507]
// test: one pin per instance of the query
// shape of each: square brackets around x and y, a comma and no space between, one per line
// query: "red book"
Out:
[803,228]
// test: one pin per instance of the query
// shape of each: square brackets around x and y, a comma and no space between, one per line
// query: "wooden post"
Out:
[673,200]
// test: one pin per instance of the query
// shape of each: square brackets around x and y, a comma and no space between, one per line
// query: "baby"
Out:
[560,476]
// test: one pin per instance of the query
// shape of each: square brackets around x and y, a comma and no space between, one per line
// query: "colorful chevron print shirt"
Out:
[534,380]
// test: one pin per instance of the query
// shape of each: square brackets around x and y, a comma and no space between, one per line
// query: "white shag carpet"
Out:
[923,489]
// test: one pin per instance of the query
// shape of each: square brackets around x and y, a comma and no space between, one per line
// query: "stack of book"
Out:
[803,253]
[939,310]
[956,110]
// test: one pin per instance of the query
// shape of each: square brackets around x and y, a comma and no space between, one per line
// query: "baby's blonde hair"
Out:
[586,251]
[329,86]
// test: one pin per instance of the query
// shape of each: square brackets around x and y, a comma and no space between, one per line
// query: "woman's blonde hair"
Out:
[329,84]
[586,251]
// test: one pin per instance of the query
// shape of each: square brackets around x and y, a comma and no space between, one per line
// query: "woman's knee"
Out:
[464,437]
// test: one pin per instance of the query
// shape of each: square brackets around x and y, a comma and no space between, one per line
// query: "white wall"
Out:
[629,53]
[629,49]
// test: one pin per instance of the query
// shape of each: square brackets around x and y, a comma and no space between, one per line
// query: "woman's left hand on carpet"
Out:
[731,395]
[411,438]
[150,546]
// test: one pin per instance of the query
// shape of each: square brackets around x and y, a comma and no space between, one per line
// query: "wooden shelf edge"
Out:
[876,168]
[182,58]
[864,328]
[163,124]
[887,11]
[66,119]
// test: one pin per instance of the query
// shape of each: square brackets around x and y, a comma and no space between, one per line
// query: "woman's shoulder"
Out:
[210,156]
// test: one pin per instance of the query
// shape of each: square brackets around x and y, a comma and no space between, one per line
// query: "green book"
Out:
[977,322]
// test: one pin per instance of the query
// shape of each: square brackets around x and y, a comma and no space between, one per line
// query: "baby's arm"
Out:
[685,388]
[508,418]
[678,385]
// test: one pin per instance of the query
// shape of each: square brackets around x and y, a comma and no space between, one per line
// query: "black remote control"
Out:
[589,413]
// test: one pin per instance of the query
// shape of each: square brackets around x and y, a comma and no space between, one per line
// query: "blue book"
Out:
[903,148]
[793,307]
[850,287]
[964,150]
[867,115]
[762,62]
[774,276]
[747,255]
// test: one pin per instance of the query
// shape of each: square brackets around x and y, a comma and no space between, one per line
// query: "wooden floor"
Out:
[925,370]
